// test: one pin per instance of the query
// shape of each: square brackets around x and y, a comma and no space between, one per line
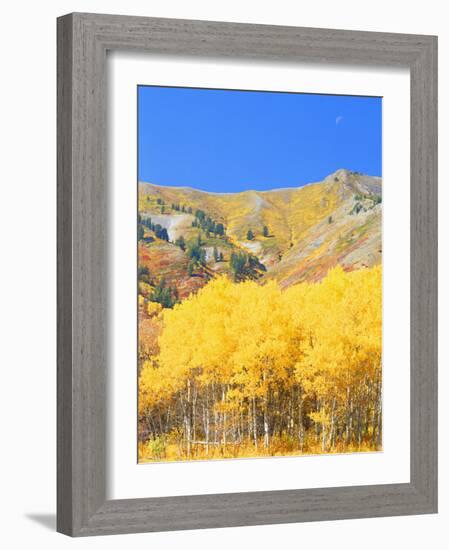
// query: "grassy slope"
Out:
[311,228]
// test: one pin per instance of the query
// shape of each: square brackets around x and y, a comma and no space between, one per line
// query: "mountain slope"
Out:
[308,229]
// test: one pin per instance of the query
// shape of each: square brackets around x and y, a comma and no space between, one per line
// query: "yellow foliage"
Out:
[254,355]
[153,309]
[145,289]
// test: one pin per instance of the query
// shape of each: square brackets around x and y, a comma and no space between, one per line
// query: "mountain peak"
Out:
[342,174]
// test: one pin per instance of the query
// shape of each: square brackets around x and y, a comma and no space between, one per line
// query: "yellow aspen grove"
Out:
[248,369]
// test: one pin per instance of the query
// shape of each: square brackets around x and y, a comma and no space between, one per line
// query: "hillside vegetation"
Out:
[260,318]
[251,370]
[298,234]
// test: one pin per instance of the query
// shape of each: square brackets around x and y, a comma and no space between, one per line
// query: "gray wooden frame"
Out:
[83,40]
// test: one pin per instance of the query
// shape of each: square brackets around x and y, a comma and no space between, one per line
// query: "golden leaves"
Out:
[325,336]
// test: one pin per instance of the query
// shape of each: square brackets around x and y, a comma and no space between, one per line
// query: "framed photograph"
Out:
[247,274]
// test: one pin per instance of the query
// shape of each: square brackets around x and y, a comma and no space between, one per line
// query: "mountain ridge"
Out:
[296,233]
[339,172]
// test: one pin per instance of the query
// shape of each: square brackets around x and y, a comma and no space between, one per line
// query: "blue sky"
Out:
[230,141]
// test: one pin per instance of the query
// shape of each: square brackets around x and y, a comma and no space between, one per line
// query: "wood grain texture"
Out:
[64,277]
[83,40]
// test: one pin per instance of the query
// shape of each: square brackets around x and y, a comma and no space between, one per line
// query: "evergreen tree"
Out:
[181,243]
[238,262]
[250,235]
[265,231]
[164,295]
[161,233]
[147,222]
[195,253]
[201,215]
